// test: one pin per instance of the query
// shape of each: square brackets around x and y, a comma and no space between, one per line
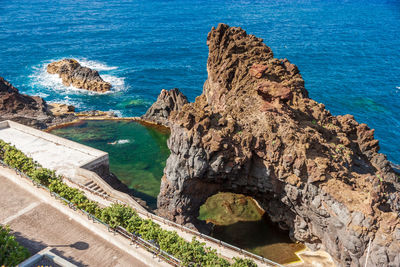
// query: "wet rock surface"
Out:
[29,110]
[255,131]
[167,101]
[72,73]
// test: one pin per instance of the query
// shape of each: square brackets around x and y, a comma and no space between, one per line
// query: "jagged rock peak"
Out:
[72,73]
[167,101]
[233,55]
[255,131]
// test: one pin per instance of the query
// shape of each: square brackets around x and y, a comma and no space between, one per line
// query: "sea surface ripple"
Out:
[347,51]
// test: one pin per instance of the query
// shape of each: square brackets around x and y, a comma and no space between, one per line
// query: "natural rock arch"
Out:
[255,131]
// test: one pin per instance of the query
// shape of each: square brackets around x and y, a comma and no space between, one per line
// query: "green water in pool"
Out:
[138,156]
[238,220]
[137,153]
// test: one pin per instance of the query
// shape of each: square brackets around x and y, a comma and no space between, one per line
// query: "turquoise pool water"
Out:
[137,153]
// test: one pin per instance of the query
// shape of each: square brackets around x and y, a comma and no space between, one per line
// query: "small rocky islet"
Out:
[34,111]
[72,73]
[255,131]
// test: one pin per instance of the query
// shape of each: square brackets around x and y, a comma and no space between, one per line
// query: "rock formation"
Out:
[72,73]
[29,110]
[60,109]
[255,131]
[167,102]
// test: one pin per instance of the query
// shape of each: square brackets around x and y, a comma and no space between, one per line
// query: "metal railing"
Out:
[209,238]
[120,230]
[181,227]
[184,228]
[141,242]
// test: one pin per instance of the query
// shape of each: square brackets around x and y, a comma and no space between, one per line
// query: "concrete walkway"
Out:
[39,221]
[223,251]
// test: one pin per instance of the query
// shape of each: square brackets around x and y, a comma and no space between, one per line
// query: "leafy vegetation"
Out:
[193,253]
[11,252]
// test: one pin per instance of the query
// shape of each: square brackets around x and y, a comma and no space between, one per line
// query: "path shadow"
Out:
[68,258]
[80,245]
[33,245]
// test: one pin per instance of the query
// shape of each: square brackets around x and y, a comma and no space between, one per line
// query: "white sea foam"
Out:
[95,65]
[52,82]
[41,94]
[120,142]
[118,83]
[68,101]
[118,113]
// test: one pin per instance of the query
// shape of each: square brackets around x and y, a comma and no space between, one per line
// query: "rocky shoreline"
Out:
[29,110]
[34,111]
[255,131]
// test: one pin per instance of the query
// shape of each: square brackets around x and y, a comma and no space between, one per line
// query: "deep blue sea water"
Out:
[347,51]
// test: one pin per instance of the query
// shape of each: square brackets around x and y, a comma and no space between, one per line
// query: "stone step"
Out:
[88,183]
[91,186]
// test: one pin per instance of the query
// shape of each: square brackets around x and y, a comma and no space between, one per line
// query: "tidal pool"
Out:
[238,220]
[137,153]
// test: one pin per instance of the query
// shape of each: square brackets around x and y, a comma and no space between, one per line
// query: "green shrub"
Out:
[239,262]
[192,253]
[11,252]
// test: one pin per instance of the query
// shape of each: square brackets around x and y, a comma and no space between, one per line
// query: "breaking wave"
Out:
[95,65]
[41,80]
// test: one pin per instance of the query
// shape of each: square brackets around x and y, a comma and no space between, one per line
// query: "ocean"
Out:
[347,51]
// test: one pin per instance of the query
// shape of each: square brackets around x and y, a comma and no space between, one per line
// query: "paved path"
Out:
[38,225]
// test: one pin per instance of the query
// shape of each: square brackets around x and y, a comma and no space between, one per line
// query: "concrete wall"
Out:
[95,169]
[100,163]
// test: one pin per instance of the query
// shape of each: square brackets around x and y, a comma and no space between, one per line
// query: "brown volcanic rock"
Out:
[167,102]
[28,110]
[257,70]
[72,73]
[12,102]
[318,175]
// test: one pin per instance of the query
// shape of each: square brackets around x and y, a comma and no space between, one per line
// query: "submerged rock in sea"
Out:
[255,131]
[72,73]
[167,101]
[29,110]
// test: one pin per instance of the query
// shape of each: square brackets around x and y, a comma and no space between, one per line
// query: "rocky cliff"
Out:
[29,110]
[167,101]
[255,131]
[72,73]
